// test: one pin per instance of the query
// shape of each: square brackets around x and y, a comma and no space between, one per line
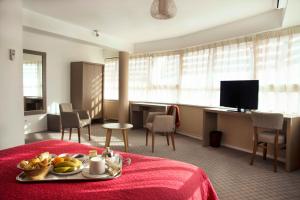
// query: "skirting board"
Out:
[189,135]
[230,146]
[249,151]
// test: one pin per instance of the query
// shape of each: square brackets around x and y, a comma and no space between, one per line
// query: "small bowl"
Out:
[37,174]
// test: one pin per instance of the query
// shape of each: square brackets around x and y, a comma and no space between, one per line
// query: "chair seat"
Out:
[84,122]
[269,137]
[148,126]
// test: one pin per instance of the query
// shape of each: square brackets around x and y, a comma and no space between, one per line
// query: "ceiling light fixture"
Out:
[96,33]
[163,9]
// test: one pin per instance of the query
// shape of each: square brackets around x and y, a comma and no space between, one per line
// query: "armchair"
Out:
[74,119]
[161,122]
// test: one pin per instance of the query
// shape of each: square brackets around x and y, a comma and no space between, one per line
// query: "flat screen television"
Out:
[242,94]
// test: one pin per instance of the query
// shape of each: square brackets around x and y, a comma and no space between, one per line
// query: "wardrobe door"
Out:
[93,89]
[76,85]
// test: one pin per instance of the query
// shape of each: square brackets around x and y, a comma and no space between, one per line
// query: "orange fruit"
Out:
[58,160]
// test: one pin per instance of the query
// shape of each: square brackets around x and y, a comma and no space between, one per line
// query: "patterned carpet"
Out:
[229,170]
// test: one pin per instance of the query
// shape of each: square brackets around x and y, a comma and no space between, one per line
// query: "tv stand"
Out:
[212,120]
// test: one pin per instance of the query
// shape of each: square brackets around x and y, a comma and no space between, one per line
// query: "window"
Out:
[154,76]
[203,69]
[139,78]
[111,79]
[278,70]
[193,75]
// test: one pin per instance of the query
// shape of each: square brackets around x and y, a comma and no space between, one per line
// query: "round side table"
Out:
[117,126]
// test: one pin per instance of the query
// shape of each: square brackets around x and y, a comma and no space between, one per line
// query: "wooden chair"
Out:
[267,127]
[74,119]
[160,122]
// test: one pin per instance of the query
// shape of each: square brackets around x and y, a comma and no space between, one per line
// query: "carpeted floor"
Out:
[229,170]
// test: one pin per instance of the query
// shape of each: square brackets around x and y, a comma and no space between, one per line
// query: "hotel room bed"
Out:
[146,178]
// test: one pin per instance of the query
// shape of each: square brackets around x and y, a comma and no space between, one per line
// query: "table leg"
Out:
[125,138]
[108,137]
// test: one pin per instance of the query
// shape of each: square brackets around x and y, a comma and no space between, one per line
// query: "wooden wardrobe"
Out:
[87,80]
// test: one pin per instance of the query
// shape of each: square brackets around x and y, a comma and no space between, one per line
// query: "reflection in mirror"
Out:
[34,82]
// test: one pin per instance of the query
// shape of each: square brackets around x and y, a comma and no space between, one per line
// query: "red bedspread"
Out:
[146,178]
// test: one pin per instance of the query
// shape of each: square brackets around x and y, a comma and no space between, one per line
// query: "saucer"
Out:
[85,172]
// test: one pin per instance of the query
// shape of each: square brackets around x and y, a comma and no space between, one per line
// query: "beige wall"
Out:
[237,130]
[60,53]
[111,109]
[191,118]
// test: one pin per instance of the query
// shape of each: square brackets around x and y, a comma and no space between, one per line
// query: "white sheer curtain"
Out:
[153,77]
[139,67]
[204,68]
[32,79]
[111,79]
[193,75]
[277,65]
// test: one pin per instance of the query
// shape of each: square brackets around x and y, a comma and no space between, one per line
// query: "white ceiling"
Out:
[131,20]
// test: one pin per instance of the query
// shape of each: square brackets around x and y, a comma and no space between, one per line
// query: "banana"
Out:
[78,162]
[71,169]
[68,164]
[62,169]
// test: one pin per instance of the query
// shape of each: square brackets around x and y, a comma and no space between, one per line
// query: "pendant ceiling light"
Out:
[163,9]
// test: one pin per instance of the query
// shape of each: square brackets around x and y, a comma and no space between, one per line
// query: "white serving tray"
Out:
[74,177]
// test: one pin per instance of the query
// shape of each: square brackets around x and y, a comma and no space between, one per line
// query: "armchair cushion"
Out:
[148,126]
[269,137]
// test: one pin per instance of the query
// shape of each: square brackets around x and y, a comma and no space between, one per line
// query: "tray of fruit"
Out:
[67,167]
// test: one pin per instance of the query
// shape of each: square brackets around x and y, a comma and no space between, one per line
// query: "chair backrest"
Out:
[267,120]
[65,107]
[172,110]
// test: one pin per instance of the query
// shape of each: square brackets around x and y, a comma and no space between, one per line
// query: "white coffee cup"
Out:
[97,165]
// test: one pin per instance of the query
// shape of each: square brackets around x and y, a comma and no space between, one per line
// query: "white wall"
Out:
[255,24]
[11,103]
[52,25]
[60,53]
[292,16]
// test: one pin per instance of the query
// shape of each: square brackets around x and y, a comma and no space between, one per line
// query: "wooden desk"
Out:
[139,112]
[291,128]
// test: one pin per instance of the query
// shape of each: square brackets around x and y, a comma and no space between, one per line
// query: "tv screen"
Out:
[239,94]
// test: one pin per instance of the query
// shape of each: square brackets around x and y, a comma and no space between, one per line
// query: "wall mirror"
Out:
[34,82]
